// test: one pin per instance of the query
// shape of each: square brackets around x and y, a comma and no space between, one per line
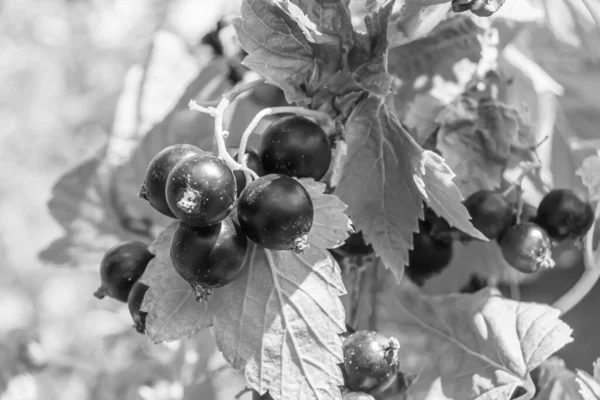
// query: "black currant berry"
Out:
[210,257]
[267,95]
[428,257]
[438,228]
[276,212]
[527,247]
[490,213]
[201,190]
[295,146]
[155,180]
[120,268]
[354,246]
[564,215]
[253,162]
[134,303]
[370,360]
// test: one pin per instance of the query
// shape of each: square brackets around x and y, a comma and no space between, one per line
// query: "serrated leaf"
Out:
[81,203]
[291,56]
[331,226]
[556,382]
[444,197]
[280,321]
[479,346]
[309,28]
[436,54]
[173,311]
[368,62]
[477,137]
[378,182]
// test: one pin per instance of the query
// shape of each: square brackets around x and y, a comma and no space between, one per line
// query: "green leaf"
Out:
[479,346]
[331,226]
[477,137]
[81,203]
[444,197]
[173,312]
[309,28]
[434,57]
[368,62]
[280,321]
[378,182]
[292,57]
[556,382]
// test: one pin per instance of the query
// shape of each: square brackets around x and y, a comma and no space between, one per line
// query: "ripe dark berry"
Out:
[295,146]
[210,257]
[267,95]
[253,162]
[527,247]
[428,257]
[120,268]
[491,214]
[438,228]
[134,303]
[155,180]
[354,246]
[201,190]
[564,215]
[370,359]
[276,212]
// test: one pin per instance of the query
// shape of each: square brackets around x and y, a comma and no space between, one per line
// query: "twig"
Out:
[519,181]
[589,277]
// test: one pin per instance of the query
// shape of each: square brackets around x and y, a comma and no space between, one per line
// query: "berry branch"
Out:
[589,277]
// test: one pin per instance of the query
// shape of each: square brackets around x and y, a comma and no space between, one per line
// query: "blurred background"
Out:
[70,73]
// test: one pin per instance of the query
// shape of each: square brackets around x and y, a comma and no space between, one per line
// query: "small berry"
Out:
[564,215]
[354,246]
[370,360]
[253,162]
[295,146]
[155,180]
[121,266]
[428,257]
[527,247]
[490,213]
[201,190]
[276,212]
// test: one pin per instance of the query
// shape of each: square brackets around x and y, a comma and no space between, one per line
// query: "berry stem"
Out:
[589,277]
[218,113]
[320,116]
[527,169]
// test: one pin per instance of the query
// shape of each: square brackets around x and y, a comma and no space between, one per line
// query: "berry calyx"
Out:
[295,146]
[564,215]
[276,212]
[155,180]
[370,359]
[354,246]
[134,303]
[428,257]
[208,258]
[201,190]
[121,266]
[527,247]
[253,162]
[490,212]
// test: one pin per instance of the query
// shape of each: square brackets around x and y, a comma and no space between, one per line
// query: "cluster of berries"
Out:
[526,239]
[210,241]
